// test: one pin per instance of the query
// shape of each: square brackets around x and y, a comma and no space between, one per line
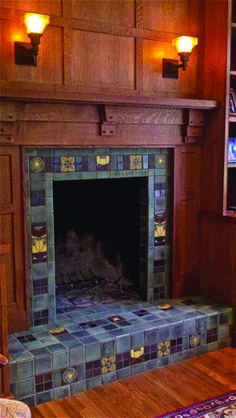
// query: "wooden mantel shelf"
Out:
[64,94]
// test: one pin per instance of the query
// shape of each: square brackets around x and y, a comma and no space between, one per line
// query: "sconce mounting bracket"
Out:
[24,54]
[170,68]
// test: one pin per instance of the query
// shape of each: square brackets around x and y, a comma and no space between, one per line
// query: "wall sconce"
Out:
[26,53]
[184,46]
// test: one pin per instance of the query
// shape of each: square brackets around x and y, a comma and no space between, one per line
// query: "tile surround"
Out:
[44,166]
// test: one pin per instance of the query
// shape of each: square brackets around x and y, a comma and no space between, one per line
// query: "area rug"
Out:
[219,407]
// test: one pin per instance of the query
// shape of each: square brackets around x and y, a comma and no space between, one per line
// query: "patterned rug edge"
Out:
[204,408]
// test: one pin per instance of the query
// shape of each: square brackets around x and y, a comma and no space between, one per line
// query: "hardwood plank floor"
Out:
[152,393]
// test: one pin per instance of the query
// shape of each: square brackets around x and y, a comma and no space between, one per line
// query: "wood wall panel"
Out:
[186,223]
[11,231]
[218,260]
[101,60]
[47,7]
[116,12]
[153,53]
[177,16]
[49,68]
[113,45]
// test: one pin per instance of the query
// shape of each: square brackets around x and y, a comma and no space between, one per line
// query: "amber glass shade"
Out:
[184,44]
[36,23]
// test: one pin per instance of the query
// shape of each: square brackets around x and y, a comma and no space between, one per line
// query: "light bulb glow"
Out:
[36,23]
[185,44]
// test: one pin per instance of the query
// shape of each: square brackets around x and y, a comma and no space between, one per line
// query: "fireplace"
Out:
[99,220]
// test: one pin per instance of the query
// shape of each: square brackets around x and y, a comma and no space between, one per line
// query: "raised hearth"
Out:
[91,347]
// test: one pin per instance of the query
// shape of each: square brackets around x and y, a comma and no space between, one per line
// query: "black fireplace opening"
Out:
[97,238]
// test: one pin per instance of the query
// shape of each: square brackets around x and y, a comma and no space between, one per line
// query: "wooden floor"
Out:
[152,393]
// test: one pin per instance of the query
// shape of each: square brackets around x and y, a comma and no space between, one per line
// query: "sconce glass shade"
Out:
[36,23]
[184,44]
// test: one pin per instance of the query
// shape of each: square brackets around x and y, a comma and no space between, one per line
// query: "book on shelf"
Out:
[232,102]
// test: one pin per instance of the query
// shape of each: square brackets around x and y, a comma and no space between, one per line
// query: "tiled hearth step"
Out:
[92,347]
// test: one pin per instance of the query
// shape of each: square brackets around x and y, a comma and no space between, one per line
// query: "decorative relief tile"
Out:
[67,164]
[69,375]
[108,364]
[37,165]
[136,355]
[102,162]
[194,340]
[136,162]
[159,229]
[163,349]
[39,242]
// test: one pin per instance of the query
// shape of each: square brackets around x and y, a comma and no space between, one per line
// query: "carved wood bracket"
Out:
[194,127]
[108,124]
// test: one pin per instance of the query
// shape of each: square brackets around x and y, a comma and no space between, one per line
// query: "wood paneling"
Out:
[11,231]
[49,68]
[102,60]
[172,16]
[4,274]
[113,46]
[186,224]
[153,393]
[47,7]
[218,260]
[116,12]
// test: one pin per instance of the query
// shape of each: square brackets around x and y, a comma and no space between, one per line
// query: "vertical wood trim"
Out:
[67,55]
[139,45]
[4,372]
[25,235]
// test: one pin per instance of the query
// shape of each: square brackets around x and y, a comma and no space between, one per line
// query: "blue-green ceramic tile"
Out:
[92,352]
[107,347]
[44,397]
[202,349]
[43,364]
[40,302]
[189,326]
[225,342]
[212,347]
[12,370]
[163,333]
[200,324]
[174,358]
[78,387]
[122,344]
[123,373]
[151,364]
[25,369]
[137,339]
[25,387]
[137,368]
[93,382]
[212,321]
[223,331]
[57,381]
[38,213]
[60,359]
[151,336]
[108,378]
[61,392]
[29,400]
[176,330]
[40,270]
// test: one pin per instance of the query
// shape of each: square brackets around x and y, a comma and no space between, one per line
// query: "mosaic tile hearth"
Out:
[55,360]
